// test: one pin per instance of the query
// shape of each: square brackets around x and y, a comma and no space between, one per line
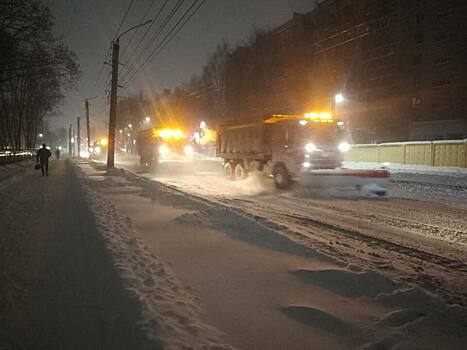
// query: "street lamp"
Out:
[130,126]
[147,119]
[339,98]
[113,95]
[41,135]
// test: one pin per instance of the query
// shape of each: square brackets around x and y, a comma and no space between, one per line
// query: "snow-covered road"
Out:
[417,234]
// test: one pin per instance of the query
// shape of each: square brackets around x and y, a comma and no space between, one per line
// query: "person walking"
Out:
[43,155]
[57,153]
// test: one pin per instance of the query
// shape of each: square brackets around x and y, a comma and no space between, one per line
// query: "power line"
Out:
[123,19]
[146,33]
[159,48]
[164,23]
[99,75]
[148,10]
[110,46]
[169,37]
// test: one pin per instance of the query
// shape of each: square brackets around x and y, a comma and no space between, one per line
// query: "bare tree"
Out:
[35,70]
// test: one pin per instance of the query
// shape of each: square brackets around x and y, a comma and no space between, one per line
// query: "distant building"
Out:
[400,64]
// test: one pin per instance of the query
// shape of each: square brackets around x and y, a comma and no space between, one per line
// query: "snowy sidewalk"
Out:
[58,287]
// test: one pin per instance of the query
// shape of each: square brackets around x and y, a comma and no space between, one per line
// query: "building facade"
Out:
[400,64]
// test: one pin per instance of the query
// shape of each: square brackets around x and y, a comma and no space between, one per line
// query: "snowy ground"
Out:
[214,264]
[387,254]
[59,288]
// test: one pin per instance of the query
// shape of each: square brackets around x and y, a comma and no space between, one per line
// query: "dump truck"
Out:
[308,148]
[156,145]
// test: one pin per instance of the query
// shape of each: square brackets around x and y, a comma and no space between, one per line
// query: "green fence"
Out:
[434,153]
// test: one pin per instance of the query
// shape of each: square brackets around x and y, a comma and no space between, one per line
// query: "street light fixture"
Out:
[147,119]
[339,98]
[113,95]
[41,135]
[130,125]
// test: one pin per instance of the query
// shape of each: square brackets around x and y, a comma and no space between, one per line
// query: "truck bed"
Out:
[242,139]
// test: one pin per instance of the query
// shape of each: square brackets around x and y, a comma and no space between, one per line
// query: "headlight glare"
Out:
[310,147]
[188,150]
[344,147]
[163,150]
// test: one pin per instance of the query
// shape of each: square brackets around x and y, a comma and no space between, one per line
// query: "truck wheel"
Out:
[281,178]
[228,170]
[240,173]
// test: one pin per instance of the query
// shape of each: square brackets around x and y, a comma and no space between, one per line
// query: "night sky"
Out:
[88,26]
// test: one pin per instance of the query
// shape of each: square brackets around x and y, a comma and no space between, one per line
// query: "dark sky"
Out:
[89,26]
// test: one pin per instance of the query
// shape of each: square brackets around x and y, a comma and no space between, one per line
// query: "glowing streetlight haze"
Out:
[339,98]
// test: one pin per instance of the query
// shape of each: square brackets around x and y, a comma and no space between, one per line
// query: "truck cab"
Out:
[303,143]
[158,145]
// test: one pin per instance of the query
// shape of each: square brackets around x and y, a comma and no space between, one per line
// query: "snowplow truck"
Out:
[308,148]
[282,146]
[158,145]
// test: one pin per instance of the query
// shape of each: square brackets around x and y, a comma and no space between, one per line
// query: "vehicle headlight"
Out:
[344,147]
[310,147]
[163,150]
[97,150]
[188,150]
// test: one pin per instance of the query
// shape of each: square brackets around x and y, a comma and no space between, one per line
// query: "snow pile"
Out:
[11,169]
[421,321]
[171,313]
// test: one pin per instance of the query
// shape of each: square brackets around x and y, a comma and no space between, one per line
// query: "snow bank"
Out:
[11,169]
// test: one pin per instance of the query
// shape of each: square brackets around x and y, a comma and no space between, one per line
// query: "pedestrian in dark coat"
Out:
[43,155]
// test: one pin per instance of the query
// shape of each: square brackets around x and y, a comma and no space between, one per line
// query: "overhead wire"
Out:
[123,19]
[158,31]
[154,20]
[186,17]
[148,10]
[101,71]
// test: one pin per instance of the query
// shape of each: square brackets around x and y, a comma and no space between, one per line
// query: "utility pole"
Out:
[88,127]
[113,96]
[88,130]
[69,141]
[78,137]
[113,105]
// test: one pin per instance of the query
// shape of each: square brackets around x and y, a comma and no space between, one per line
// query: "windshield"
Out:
[319,133]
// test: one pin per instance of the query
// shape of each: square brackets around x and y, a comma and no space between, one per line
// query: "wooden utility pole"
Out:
[113,105]
[88,130]
[78,137]
[69,141]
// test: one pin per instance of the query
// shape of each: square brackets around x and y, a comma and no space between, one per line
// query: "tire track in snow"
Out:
[384,253]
